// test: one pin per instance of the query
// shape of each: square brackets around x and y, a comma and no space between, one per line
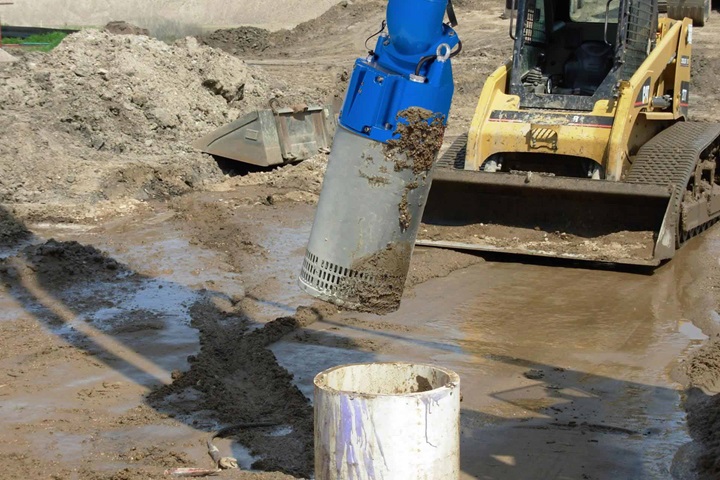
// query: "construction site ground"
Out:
[148,294]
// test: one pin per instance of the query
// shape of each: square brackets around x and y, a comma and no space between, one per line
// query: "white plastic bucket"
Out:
[390,421]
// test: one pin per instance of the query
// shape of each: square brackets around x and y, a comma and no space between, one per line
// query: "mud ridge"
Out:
[240,381]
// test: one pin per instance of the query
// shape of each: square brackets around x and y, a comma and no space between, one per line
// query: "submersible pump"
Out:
[378,176]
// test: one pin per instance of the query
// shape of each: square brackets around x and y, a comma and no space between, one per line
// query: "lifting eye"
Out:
[443,52]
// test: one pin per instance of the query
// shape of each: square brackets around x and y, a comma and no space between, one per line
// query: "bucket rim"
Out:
[452,384]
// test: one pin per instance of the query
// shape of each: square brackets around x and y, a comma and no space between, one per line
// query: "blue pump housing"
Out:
[385,83]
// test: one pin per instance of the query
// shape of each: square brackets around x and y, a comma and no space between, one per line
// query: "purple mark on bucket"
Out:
[369,460]
[344,439]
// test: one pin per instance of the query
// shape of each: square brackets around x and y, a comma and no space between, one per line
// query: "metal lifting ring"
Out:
[442,57]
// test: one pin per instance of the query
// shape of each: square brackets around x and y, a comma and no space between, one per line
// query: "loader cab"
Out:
[568,54]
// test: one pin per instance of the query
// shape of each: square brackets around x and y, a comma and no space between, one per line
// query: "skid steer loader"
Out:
[581,146]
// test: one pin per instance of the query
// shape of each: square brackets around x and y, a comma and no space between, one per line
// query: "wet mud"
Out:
[240,381]
[379,283]
[421,136]
[567,370]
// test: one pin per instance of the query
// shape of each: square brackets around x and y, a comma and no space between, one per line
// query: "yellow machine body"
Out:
[614,131]
[626,179]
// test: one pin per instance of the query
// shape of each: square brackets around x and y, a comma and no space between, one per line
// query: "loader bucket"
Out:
[274,136]
[580,219]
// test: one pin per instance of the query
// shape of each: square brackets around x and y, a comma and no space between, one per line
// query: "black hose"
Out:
[423,61]
[457,51]
[432,58]
[382,28]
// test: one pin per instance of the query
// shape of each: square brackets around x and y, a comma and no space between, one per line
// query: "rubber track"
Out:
[454,157]
[670,157]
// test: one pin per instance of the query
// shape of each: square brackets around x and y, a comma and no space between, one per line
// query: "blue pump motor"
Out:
[409,67]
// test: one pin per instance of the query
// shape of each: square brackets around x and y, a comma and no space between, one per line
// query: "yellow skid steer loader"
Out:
[581,146]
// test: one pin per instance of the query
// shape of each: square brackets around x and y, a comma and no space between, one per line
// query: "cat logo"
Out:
[643,97]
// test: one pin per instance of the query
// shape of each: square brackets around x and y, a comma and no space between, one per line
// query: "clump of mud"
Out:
[703,369]
[240,381]
[378,282]
[12,230]
[60,264]
[703,407]
[421,135]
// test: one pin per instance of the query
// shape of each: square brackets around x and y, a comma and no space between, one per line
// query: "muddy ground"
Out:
[148,294]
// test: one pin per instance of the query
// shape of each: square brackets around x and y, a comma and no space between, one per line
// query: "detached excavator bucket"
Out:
[274,136]
[531,214]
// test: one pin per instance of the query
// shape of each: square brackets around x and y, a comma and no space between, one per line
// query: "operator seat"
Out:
[588,66]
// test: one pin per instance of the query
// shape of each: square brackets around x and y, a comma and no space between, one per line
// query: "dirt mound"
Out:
[258,42]
[61,264]
[703,372]
[125,28]
[106,116]
[238,41]
[704,425]
[705,90]
[133,93]
[303,177]
[703,368]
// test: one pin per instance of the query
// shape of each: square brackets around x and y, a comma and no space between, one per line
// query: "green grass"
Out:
[52,40]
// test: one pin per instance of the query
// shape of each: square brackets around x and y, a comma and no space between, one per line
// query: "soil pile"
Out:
[238,41]
[703,371]
[704,368]
[125,28]
[253,41]
[105,116]
[5,57]
[303,179]
[61,264]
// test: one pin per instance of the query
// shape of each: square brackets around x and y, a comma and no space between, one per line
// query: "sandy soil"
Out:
[615,247]
[153,317]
